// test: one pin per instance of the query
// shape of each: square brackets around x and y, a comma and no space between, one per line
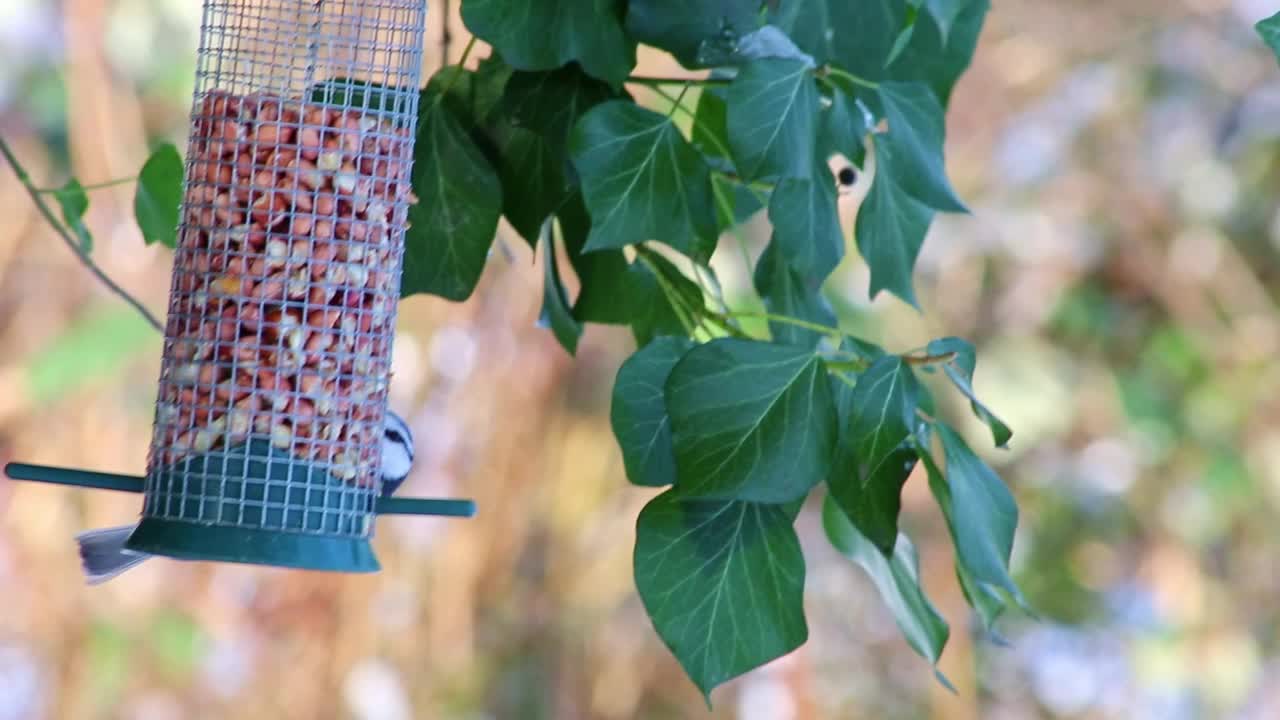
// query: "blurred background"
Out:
[1119,274]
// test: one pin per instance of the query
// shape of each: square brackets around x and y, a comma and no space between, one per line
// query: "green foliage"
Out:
[723,581]
[74,202]
[459,201]
[1269,29]
[739,428]
[897,577]
[159,195]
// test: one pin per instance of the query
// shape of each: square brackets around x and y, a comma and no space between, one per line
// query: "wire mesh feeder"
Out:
[277,350]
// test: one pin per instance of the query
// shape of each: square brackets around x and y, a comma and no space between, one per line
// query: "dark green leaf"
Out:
[550,103]
[650,310]
[867,32]
[735,202]
[682,27]
[723,582]
[786,292]
[983,512]
[938,59]
[74,203]
[547,34]
[873,461]
[960,371]
[806,225]
[642,181]
[1269,29]
[897,578]
[890,229]
[159,195]
[767,42]
[857,37]
[555,305]
[844,127]
[945,12]
[772,119]
[710,132]
[751,420]
[916,133]
[533,179]
[459,201]
[904,35]
[639,413]
[605,288]
[983,598]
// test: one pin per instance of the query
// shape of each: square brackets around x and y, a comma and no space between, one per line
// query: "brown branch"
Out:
[80,253]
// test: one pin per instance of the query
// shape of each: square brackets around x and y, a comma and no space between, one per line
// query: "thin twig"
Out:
[80,253]
[652,81]
[92,186]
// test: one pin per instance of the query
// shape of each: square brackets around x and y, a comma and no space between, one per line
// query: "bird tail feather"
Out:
[103,554]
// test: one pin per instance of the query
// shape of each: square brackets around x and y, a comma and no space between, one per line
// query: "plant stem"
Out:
[727,209]
[928,359]
[856,80]
[788,320]
[94,186]
[656,81]
[453,79]
[679,101]
[673,297]
[83,256]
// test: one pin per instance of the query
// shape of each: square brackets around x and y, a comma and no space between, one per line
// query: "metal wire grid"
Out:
[282,306]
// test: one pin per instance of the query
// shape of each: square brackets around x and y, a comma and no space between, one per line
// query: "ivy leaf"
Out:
[459,201]
[772,121]
[751,421]
[735,202]
[604,293]
[945,12]
[710,132]
[548,34]
[857,37]
[533,122]
[983,598]
[938,59]
[75,203]
[682,28]
[532,177]
[550,103]
[652,278]
[916,132]
[844,127]
[904,34]
[1269,29]
[872,463]
[897,578]
[555,305]
[723,583]
[984,515]
[639,412]
[159,195]
[960,371]
[767,42]
[806,225]
[786,292]
[890,229]
[642,181]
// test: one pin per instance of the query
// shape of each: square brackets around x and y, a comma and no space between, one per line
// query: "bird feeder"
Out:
[277,348]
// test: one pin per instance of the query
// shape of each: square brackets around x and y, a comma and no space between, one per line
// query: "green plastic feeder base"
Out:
[194,541]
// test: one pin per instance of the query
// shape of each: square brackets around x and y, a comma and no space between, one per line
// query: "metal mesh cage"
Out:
[282,308]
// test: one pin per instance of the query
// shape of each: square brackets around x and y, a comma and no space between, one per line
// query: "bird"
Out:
[103,554]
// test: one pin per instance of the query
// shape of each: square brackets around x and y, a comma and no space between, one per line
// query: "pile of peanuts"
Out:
[285,284]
